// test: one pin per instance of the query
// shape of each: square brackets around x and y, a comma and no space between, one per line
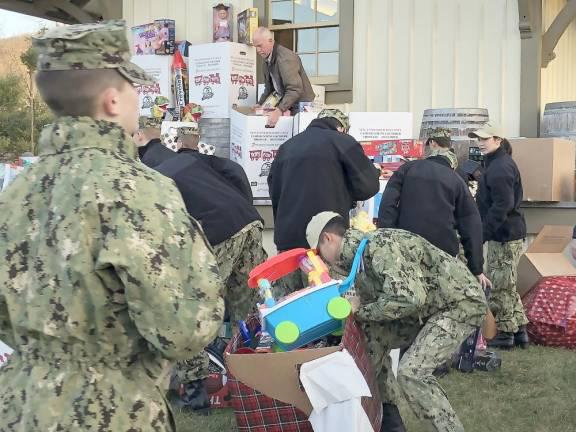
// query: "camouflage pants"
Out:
[428,347]
[505,302]
[236,257]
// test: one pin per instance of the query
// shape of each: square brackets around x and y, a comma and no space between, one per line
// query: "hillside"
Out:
[10,50]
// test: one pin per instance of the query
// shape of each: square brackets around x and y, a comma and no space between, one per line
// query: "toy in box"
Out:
[412,149]
[247,25]
[308,314]
[158,37]
[222,23]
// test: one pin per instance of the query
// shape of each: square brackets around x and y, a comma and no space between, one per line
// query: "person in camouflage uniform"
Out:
[216,192]
[410,295]
[499,198]
[100,285]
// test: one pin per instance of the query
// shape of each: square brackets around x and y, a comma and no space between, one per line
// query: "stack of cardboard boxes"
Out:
[547,168]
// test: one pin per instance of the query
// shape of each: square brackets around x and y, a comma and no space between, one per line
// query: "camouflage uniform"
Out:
[415,296]
[236,258]
[505,301]
[99,284]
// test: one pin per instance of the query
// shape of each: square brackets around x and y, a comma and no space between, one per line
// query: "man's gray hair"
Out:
[266,32]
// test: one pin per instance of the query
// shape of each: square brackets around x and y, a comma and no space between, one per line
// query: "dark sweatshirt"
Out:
[428,198]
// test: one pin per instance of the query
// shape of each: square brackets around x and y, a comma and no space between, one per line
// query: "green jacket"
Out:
[406,277]
[103,274]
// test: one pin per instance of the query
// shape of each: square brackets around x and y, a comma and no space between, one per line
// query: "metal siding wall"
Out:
[193,17]
[409,55]
[558,83]
[416,54]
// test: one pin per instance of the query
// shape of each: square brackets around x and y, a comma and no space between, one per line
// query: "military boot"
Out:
[521,337]
[391,420]
[194,397]
[503,340]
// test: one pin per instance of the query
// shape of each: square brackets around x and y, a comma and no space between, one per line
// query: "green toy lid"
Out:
[339,308]
[287,332]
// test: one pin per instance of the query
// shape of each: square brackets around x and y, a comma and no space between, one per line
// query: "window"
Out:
[321,33]
[310,28]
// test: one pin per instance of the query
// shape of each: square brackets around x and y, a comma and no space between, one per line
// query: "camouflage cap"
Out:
[441,135]
[89,46]
[145,122]
[439,132]
[188,128]
[336,114]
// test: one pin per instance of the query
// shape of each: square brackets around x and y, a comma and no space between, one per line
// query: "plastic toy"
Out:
[314,267]
[308,314]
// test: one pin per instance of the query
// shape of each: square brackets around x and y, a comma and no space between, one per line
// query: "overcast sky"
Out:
[13,24]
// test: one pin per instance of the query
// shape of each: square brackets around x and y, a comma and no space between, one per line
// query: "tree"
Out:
[16,127]
[29,59]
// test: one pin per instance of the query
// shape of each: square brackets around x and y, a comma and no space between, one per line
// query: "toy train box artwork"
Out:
[412,149]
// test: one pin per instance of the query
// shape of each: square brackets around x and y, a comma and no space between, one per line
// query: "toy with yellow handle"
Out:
[314,267]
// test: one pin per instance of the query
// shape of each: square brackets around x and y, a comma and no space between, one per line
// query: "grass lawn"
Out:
[535,391]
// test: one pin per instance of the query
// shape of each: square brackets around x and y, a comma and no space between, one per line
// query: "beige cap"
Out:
[488,131]
[317,225]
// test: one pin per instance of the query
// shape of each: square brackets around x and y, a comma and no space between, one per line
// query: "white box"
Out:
[5,352]
[373,126]
[319,91]
[160,67]
[222,75]
[254,146]
[302,120]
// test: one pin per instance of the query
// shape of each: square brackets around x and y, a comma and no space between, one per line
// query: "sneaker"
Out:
[503,340]
[391,420]
[194,397]
[521,338]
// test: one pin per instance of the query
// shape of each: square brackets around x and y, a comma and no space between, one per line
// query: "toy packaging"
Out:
[180,82]
[157,38]
[5,352]
[247,25]
[222,23]
[405,148]
[222,76]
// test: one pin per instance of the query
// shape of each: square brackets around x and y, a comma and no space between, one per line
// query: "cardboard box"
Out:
[160,68]
[302,120]
[380,126]
[317,105]
[404,148]
[546,257]
[222,75]
[247,25]
[157,38]
[254,146]
[277,376]
[547,168]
